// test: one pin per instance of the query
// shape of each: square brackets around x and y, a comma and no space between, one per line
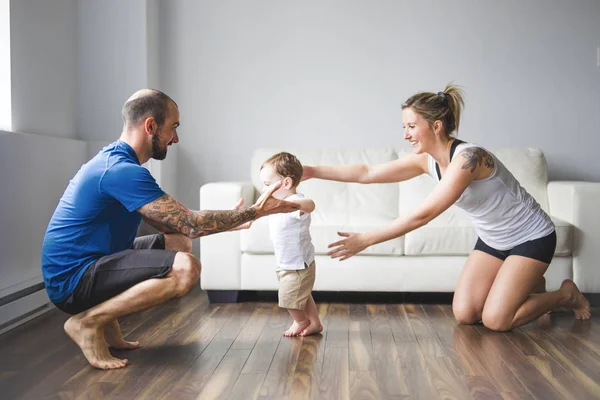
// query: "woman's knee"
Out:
[186,270]
[497,319]
[466,314]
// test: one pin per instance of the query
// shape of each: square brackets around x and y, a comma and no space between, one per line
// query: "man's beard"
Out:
[157,152]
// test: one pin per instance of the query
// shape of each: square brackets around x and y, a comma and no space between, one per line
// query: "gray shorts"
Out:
[115,273]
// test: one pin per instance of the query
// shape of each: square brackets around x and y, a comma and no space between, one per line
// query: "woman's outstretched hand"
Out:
[346,248]
[307,172]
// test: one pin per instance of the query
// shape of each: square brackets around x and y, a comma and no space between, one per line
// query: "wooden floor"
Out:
[193,349]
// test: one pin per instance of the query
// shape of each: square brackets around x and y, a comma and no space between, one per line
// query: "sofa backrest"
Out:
[526,164]
[339,203]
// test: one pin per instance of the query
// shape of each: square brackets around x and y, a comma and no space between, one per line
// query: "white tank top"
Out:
[503,213]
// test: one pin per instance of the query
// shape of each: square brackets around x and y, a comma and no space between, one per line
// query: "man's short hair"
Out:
[151,103]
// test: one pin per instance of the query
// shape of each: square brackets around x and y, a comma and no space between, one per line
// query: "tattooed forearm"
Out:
[475,156]
[159,227]
[171,214]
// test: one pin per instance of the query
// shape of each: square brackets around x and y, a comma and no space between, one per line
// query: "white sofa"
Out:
[428,259]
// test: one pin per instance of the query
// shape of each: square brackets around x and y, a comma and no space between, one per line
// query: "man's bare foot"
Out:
[296,328]
[576,301]
[314,327]
[114,338]
[90,340]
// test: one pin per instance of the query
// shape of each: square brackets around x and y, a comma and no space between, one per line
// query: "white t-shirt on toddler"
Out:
[291,239]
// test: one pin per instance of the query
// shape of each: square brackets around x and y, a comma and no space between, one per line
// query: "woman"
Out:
[502,282]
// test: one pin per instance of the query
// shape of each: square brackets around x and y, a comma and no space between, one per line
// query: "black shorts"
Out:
[115,273]
[541,249]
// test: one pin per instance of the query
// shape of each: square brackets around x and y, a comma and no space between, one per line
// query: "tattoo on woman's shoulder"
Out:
[475,156]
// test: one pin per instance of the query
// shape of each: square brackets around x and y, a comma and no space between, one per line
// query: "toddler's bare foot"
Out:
[312,328]
[576,301]
[296,328]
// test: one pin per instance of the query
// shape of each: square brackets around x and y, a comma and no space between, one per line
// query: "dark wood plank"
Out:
[247,387]
[504,351]
[455,341]
[563,380]
[220,332]
[306,378]
[417,377]
[389,373]
[359,339]
[399,323]
[568,352]
[335,379]
[267,343]
[248,337]
[445,374]
[279,378]
[337,323]
[182,348]
[363,386]
[223,379]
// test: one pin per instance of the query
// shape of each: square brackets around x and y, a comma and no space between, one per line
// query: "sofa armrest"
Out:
[220,253]
[577,203]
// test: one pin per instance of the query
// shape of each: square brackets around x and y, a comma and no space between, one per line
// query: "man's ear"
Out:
[150,126]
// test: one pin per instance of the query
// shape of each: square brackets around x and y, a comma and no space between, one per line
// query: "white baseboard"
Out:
[24,309]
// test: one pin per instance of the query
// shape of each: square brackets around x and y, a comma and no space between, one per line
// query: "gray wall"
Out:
[118,53]
[34,172]
[37,163]
[111,59]
[43,62]
[303,74]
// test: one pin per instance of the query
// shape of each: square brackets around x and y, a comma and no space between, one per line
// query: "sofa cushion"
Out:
[340,203]
[444,236]
[256,239]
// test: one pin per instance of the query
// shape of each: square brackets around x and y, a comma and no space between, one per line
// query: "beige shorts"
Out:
[295,286]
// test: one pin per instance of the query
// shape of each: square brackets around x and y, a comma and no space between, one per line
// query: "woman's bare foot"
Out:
[90,340]
[114,338]
[296,328]
[312,328]
[576,301]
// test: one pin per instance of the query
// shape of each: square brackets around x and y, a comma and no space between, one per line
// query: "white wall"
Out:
[43,61]
[313,73]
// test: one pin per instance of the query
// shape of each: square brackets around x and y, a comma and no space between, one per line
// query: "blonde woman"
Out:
[502,282]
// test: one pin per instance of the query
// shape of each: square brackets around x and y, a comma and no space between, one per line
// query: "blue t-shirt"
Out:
[95,217]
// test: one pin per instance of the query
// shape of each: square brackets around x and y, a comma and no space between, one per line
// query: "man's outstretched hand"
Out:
[267,204]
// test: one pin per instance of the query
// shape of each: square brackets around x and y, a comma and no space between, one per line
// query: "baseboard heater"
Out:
[21,305]
[21,293]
